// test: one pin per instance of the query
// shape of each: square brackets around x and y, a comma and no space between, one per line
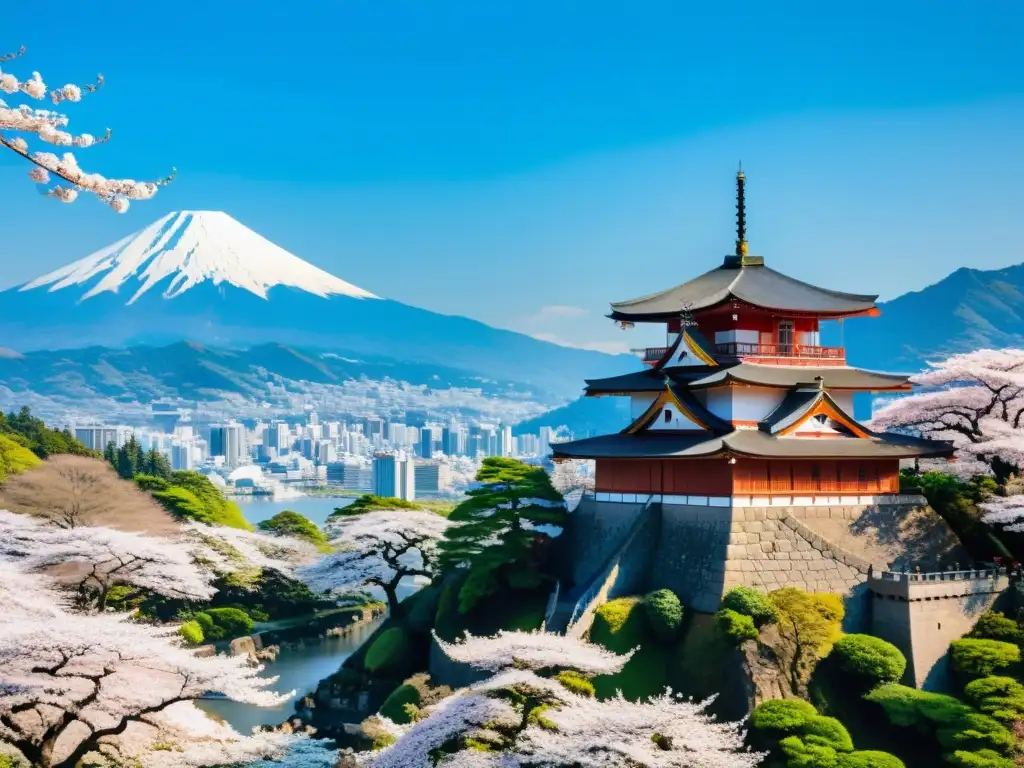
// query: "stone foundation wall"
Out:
[594,532]
[704,552]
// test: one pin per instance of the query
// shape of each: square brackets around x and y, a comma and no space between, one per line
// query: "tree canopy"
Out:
[32,433]
[503,528]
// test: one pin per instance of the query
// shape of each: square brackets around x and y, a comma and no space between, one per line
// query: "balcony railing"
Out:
[651,355]
[745,349]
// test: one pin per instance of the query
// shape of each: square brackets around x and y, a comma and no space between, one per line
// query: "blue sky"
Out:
[526,163]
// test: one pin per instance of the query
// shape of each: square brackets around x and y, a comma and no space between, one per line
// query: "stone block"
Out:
[784,545]
[754,526]
[767,546]
[754,514]
[782,555]
[735,550]
[753,538]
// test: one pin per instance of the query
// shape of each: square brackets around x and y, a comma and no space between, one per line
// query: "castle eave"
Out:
[757,285]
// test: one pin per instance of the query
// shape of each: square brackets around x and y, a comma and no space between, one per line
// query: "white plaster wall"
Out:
[808,338]
[744,337]
[638,403]
[719,402]
[843,399]
[754,404]
[676,420]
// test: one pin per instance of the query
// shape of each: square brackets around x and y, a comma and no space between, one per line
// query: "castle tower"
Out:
[741,420]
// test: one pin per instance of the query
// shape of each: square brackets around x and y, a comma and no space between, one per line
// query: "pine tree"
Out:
[129,459]
[110,454]
[498,539]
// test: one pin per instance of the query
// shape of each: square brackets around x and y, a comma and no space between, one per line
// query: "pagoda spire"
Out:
[741,215]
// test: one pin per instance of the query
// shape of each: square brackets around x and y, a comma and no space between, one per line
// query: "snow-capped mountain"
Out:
[190,248]
[204,277]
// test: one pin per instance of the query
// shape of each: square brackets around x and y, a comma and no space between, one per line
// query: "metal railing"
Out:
[745,349]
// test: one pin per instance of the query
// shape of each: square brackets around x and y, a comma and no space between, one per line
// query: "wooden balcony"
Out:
[779,354]
[783,353]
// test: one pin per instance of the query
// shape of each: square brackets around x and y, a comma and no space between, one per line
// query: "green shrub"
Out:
[737,626]
[870,659]
[192,632]
[781,716]
[394,706]
[910,708]
[289,523]
[204,620]
[827,731]
[1000,697]
[975,731]
[996,626]
[985,758]
[973,657]
[868,759]
[750,602]
[231,621]
[575,682]
[616,625]
[802,754]
[421,608]
[620,626]
[389,652]
[664,614]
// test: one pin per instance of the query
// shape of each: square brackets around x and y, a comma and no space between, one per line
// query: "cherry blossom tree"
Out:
[71,683]
[378,549]
[520,717]
[104,558]
[976,400]
[47,126]
[225,550]
[1007,512]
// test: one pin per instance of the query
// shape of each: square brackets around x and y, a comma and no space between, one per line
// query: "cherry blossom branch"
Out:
[46,125]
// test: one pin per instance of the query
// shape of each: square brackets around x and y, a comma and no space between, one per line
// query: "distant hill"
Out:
[967,310]
[262,381]
[201,276]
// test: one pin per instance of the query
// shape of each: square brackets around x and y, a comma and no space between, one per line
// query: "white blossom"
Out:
[535,650]
[1004,511]
[378,549]
[260,550]
[975,400]
[107,557]
[572,730]
[47,127]
[79,680]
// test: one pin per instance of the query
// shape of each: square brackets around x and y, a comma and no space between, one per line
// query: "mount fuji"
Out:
[202,277]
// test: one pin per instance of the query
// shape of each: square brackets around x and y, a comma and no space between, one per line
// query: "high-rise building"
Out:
[351,474]
[182,456]
[228,440]
[506,446]
[453,440]
[99,437]
[427,440]
[394,475]
[546,433]
[432,477]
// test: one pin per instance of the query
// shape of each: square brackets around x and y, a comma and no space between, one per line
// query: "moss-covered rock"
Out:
[389,653]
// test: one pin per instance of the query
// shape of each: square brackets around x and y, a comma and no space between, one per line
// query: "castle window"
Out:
[668,416]
[821,418]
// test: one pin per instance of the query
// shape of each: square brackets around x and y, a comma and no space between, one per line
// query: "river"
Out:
[297,668]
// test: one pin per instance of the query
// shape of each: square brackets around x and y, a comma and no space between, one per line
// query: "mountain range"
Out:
[202,277]
[199,308]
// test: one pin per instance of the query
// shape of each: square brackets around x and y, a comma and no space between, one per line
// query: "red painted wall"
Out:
[716,477]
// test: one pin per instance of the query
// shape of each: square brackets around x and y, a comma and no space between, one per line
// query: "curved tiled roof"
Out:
[753,284]
[749,442]
[782,376]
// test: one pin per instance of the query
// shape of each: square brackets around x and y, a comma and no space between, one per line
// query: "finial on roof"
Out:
[686,316]
[741,215]
[821,382]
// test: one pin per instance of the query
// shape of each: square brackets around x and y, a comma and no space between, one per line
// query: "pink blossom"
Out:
[47,126]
